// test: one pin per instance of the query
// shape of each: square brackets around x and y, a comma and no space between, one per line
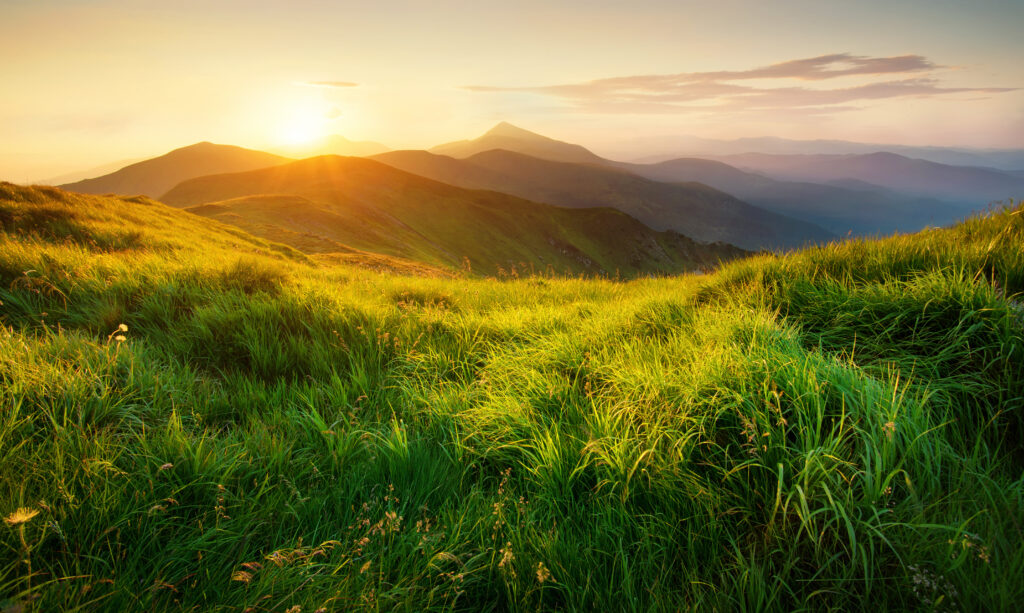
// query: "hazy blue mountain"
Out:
[891,171]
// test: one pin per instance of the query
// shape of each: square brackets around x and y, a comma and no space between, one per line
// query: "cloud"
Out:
[328,84]
[889,77]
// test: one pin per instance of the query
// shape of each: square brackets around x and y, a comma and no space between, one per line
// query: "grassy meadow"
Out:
[195,419]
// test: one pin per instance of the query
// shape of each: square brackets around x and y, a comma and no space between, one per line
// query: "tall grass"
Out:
[834,429]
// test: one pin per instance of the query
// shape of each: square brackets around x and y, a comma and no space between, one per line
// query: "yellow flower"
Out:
[122,328]
[21,516]
[119,338]
[543,574]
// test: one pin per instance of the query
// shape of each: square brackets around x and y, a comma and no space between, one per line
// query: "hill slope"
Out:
[511,138]
[195,419]
[693,209]
[155,176]
[322,203]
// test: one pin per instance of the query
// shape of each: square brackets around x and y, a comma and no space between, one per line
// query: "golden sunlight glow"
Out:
[302,128]
[301,117]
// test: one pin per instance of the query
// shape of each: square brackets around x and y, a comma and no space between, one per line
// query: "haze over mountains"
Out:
[888,170]
[854,206]
[692,146]
[335,144]
[555,204]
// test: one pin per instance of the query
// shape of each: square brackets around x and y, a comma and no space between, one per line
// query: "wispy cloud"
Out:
[888,77]
[327,84]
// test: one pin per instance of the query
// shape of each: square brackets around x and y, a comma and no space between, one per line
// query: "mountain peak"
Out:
[513,138]
[197,146]
[504,128]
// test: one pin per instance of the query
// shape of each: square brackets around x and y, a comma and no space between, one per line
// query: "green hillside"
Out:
[331,203]
[192,418]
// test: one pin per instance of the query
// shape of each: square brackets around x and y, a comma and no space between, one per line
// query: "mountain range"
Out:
[700,212]
[512,197]
[840,206]
[333,204]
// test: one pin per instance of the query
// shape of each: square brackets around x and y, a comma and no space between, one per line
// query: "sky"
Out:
[90,82]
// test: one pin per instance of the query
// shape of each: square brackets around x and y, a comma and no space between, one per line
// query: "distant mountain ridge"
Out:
[334,204]
[889,170]
[692,146]
[841,206]
[155,176]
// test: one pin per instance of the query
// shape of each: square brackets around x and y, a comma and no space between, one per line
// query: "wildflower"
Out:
[889,429]
[122,328]
[543,574]
[507,557]
[120,338]
[21,516]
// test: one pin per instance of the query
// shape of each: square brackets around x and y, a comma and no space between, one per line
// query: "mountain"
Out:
[692,209]
[334,204]
[691,146]
[334,144]
[155,176]
[511,138]
[843,205]
[888,170]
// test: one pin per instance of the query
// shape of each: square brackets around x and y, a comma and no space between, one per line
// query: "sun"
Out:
[301,128]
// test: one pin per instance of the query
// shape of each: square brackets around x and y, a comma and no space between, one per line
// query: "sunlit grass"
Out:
[837,427]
